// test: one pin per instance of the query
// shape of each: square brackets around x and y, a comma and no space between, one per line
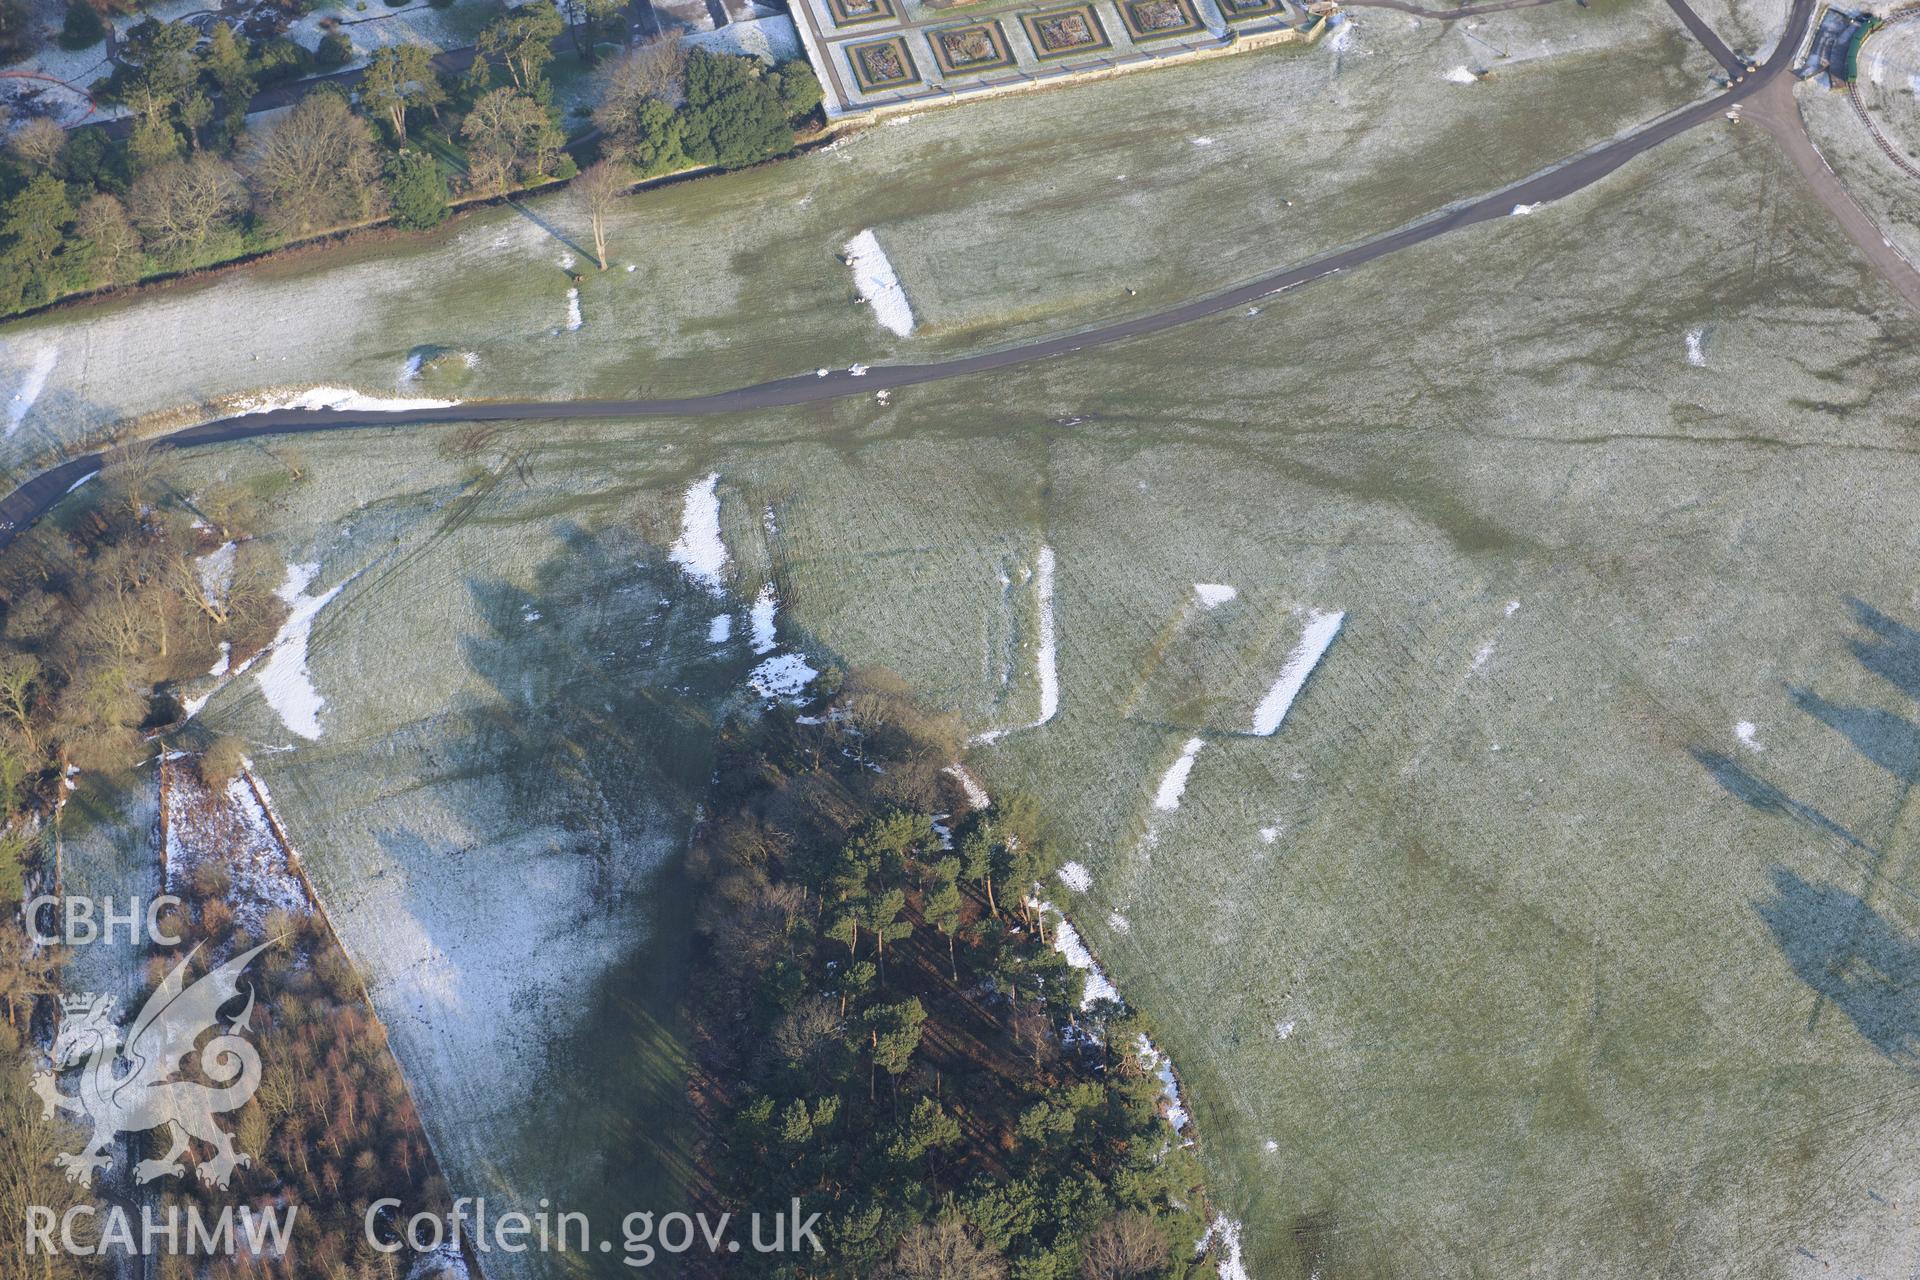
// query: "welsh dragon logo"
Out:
[143,1095]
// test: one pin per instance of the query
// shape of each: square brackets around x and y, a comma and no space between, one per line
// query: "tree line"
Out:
[332,1128]
[882,1029]
[128,588]
[192,183]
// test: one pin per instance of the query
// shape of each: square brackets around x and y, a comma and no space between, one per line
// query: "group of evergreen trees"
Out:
[884,1031]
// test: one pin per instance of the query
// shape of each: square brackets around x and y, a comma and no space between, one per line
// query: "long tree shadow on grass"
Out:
[606,689]
[1849,953]
[605,681]
[1837,941]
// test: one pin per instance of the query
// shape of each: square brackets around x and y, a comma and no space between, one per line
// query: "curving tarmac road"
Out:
[19,509]
[1710,39]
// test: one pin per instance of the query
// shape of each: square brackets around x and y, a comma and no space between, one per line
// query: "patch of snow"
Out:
[1696,354]
[1066,940]
[1203,142]
[765,610]
[284,679]
[1461,75]
[969,785]
[1315,640]
[877,284]
[1119,923]
[1522,210]
[32,383]
[1076,877]
[1269,1146]
[1481,655]
[444,1263]
[1748,734]
[1214,594]
[1049,641]
[1174,783]
[224,662]
[720,630]
[1285,1027]
[1513,607]
[343,398]
[1047,659]
[782,677]
[1225,1232]
[82,480]
[215,570]
[857,369]
[1269,834]
[1161,1065]
[700,552]
[574,319]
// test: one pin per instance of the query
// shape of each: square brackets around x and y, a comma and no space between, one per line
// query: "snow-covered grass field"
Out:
[1890,196]
[1506,951]
[488,749]
[1002,219]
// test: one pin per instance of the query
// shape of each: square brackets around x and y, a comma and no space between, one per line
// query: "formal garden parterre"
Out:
[884,55]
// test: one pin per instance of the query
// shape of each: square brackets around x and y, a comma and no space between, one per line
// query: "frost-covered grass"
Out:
[1887,194]
[1500,959]
[1430,932]
[1006,218]
[515,737]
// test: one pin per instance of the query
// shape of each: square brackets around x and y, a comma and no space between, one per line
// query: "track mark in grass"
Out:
[1047,657]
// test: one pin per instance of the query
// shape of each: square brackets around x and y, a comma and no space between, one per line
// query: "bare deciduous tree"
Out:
[130,471]
[40,142]
[180,205]
[20,685]
[1126,1246]
[104,225]
[26,971]
[949,1249]
[808,1029]
[656,69]
[596,189]
[318,169]
[29,1141]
